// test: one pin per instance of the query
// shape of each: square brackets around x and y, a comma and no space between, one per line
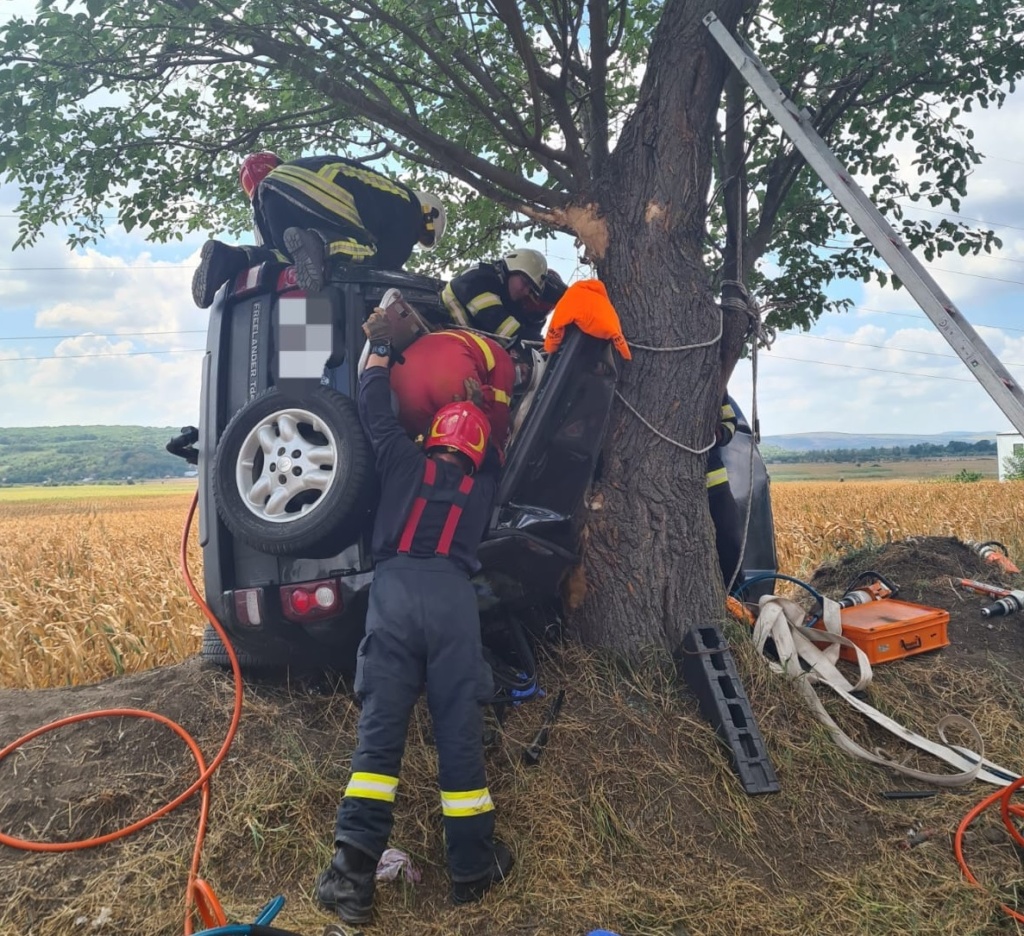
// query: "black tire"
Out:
[213,652]
[319,501]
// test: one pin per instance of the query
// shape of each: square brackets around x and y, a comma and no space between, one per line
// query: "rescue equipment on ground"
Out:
[798,654]
[533,751]
[1011,604]
[996,553]
[884,627]
[1008,600]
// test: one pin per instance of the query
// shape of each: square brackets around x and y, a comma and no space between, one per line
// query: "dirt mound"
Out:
[927,570]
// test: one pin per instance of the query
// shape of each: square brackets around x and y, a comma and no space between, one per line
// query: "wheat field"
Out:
[91,586]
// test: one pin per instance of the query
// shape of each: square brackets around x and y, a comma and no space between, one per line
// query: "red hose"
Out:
[202,783]
[1008,811]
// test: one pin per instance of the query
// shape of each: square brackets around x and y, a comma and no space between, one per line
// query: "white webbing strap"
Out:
[781,620]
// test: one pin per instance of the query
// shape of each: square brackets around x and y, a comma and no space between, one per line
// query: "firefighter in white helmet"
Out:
[509,298]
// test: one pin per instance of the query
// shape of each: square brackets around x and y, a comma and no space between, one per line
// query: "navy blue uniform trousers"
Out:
[422,627]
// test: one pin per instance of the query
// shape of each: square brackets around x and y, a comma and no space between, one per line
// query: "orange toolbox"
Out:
[890,629]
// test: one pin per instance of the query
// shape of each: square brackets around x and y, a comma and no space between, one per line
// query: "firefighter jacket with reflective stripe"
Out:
[479,299]
[433,374]
[342,197]
[727,429]
[401,466]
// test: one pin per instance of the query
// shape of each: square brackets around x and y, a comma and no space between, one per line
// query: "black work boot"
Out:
[347,885]
[217,264]
[308,253]
[471,891]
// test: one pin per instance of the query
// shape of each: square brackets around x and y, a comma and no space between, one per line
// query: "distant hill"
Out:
[818,441]
[72,454]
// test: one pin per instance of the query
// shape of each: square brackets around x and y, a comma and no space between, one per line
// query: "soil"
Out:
[926,571]
[92,778]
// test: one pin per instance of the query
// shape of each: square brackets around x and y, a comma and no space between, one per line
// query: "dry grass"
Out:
[634,821]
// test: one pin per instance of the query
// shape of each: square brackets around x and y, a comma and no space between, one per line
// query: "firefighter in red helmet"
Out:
[318,209]
[422,628]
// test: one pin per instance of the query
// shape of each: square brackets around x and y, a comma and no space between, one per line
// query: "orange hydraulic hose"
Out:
[1008,811]
[202,783]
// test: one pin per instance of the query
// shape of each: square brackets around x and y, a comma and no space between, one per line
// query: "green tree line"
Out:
[981,449]
[73,454]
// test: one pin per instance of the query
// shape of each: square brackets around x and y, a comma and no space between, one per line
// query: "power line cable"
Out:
[862,344]
[95,269]
[949,214]
[878,370]
[923,318]
[98,354]
[193,331]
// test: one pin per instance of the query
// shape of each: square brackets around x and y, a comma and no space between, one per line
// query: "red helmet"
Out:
[255,168]
[461,426]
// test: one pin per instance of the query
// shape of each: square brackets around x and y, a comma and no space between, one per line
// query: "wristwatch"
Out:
[381,347]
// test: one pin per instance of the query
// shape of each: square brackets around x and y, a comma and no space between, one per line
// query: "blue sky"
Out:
[71,351]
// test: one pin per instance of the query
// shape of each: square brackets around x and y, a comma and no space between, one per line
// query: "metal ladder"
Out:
[796,123]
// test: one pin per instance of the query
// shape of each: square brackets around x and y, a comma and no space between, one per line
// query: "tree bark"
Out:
[650,563]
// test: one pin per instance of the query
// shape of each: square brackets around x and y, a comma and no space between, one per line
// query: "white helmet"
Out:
[531,263]
[434,219]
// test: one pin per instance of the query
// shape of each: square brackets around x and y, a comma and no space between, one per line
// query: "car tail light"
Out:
[311,601]
[249,606]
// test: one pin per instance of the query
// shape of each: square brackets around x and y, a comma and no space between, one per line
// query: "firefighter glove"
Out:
[377,327]
[587,306]
[474,392]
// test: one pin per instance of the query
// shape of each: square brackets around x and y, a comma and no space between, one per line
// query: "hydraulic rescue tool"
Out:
[531,755]
[995,552]
[1008,600]
[1011,604]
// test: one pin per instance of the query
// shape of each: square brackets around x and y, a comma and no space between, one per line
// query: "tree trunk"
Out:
[650,563]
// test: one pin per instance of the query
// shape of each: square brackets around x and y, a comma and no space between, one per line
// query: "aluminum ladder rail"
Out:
[962,338]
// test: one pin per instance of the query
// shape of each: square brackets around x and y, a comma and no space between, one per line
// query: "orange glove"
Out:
[587,306]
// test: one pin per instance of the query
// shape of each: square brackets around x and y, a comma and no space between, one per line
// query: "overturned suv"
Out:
[287,486]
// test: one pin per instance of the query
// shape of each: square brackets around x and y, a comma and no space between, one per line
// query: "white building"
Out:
[1007,444]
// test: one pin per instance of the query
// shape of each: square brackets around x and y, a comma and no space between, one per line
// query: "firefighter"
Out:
[318,209]
[432,373]
[722,503]
[508,299]
[422,627]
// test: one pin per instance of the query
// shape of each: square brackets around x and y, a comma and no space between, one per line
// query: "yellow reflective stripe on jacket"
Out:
[727,412]
[372,786]
[717,476]
[465,338]
[508,328]
[486,348]
[469,803]
[367,176]
[484,301]
[350,248]
[316,186]
[501,396]
[452,304]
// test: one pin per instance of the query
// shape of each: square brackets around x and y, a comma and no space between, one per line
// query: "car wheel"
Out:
[212,651]
[293,473]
